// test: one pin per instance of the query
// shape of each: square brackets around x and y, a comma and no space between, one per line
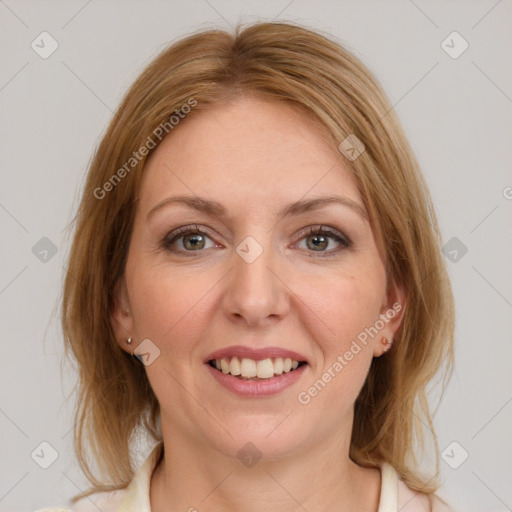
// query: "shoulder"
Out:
[104,501]
[53,509]
[414,501]
[135,496]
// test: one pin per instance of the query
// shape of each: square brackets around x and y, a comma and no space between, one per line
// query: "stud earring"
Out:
[387,344]
[129,341]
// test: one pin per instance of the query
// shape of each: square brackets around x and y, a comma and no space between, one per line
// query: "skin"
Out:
[254,157]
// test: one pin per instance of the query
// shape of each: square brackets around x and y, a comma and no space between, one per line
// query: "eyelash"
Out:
[342,239]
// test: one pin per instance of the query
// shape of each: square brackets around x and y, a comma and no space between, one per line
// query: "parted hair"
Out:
[318,75]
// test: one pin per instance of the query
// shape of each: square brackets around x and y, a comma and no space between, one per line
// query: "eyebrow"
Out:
[217,209]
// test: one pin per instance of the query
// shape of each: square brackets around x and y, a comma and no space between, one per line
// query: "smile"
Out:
[277,373]
[246,368]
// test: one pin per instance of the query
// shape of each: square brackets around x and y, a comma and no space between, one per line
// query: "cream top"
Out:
[394,494]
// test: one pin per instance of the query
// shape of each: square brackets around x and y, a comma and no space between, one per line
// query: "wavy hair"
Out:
[314,73]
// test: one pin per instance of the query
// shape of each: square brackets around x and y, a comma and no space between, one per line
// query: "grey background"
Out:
[456,113]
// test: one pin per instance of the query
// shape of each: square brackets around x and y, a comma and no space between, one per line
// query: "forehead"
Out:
[247,153]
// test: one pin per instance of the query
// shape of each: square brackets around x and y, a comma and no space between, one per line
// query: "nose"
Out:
[256,292]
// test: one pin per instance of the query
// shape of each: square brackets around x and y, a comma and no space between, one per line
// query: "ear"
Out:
[391,317]
[121,318]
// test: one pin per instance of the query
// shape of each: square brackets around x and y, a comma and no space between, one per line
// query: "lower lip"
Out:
[256,388]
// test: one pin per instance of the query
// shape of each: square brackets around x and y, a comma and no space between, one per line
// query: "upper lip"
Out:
[257,354]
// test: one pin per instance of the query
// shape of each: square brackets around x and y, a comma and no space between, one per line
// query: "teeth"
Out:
[234,366]
[249,368]
[265,369]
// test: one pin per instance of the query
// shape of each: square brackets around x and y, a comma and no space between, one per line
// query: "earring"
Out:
[129,341]
[387,344]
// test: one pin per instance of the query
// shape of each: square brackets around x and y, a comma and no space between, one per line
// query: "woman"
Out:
[256,232]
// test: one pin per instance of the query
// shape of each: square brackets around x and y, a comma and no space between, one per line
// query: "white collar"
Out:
[137,493]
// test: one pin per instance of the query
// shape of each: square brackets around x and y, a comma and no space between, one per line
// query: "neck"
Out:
[195,477]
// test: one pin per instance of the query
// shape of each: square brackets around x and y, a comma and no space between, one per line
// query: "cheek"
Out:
[348,304]
[168,305]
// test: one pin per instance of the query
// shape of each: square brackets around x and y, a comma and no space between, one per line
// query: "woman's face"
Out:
[261,273]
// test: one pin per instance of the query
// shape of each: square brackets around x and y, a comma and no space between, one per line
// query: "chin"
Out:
[266,437]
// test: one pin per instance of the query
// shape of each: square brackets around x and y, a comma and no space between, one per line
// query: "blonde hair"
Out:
[292,64]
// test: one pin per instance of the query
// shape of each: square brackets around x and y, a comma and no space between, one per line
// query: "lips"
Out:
[253,373]
[257,354]
[257,387]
